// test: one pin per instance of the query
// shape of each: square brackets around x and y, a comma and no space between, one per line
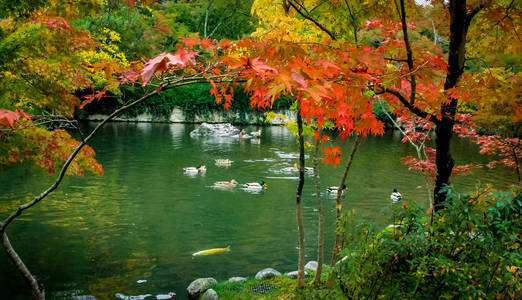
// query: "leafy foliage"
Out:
[471,249]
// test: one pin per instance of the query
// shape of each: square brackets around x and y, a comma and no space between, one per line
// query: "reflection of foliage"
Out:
[120,275]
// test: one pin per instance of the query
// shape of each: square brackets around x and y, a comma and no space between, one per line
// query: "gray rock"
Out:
[311,265]
[137,297]
[267,273]
[293,274]
[199,286]
[84,297]
[210,294]
[236,279]
[216,130]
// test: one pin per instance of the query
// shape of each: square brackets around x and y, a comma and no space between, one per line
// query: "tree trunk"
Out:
[459,23]
[36,288]
[320,234]
[338,209]
[299,193]
[443,160]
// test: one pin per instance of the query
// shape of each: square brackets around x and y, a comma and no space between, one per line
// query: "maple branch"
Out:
[475,11]
[310,18]
[396,59]
[413,82]
[354,25]
[411,107]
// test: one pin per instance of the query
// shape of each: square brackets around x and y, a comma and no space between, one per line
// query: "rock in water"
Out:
[236,279]
[267,273]
[215,130]
[199,286]
[210,294]
[311,265]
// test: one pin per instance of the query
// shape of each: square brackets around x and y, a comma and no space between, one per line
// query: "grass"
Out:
[287,289]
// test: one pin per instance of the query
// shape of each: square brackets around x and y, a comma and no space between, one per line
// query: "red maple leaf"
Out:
[8,117]
[191,42]
[162,62]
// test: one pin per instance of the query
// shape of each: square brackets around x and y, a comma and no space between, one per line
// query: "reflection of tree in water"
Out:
[110,275]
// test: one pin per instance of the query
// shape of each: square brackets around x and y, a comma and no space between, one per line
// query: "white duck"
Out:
[395,196]
[226,184]
[334,190]
[194,170]
[256,134]
[295,168]
[255,185]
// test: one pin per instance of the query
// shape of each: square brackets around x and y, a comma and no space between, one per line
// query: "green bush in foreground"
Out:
[471,250]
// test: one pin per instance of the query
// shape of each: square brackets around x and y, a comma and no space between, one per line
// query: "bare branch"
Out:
[412,108]
[307,16]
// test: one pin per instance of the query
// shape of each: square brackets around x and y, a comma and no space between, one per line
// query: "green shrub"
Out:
[471,250]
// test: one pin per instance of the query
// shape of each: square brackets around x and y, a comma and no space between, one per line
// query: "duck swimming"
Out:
[256,134]
[335,189]
[198,169]
[223,162]
[226,184]
[255,185]
[295,168]
[395,196]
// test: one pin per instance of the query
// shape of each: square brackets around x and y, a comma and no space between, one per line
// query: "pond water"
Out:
[144,218]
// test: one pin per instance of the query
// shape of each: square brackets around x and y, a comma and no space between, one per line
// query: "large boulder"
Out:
[267,273]
[236,279]
[199,286]
[311,265]
[214,130]
[210,294]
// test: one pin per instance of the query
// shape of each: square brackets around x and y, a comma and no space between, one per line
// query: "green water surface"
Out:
[144,218]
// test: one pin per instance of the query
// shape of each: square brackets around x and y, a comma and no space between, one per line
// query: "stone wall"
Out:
[177,116]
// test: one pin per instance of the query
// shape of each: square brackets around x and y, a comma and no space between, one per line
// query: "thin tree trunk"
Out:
[36,288]
[320,234]
[299,193]
[339,207]
[515,158]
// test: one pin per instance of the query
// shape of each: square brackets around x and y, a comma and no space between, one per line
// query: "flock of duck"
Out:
[261,185]
[225,184]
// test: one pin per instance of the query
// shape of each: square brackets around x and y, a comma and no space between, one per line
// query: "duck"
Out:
[224,162]
[256,134]
[395,196]
[335,189]
[291,169]
[226,184]
[198,169]
[255,185]
[295,168]
[242,133]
